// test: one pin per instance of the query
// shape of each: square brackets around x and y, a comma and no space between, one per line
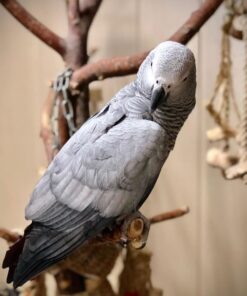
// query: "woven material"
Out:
[93,259]
[135,279]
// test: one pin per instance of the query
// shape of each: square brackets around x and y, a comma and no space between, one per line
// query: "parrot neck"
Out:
[172,118]
[135,103]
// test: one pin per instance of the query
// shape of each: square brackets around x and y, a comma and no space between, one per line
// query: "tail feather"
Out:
[12,256]
[42,247]
[34,262]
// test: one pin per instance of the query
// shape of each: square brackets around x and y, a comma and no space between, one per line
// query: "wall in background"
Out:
[201,254]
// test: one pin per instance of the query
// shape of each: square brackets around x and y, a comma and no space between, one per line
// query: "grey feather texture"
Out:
[109,167]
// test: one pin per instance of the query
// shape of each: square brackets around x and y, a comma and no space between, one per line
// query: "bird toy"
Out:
[233,164]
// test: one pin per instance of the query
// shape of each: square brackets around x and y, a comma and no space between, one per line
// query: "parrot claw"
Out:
[124,241]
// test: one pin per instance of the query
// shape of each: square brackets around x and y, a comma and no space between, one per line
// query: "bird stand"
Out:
[87,268]
[135,278]
[96,259]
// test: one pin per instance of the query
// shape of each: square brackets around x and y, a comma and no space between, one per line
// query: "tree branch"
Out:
[46,131]
[33,25]
[115,235]
[120,66]
[197,19]
[80,17]
[9,236]
[169,215]
[135,226]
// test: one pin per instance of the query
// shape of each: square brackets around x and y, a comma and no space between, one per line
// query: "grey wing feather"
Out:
[104,174]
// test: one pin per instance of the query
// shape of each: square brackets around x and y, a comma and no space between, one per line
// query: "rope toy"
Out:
[219,107]
[240,169]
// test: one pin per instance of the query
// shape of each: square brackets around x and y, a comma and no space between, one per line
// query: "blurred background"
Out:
[203,253]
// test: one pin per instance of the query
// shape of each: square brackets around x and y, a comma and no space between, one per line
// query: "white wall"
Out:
[201,254]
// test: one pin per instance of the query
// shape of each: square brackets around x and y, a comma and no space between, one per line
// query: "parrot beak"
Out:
[158,93]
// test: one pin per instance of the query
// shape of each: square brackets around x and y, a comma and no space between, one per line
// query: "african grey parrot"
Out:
[110,165]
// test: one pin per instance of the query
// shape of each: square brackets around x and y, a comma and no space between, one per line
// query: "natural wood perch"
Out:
[73,49]
[80,17]
[9,236]
[170,215]
[104,68]
[120,66]
[135,227]
[137,273]
[45,131]
[33,25]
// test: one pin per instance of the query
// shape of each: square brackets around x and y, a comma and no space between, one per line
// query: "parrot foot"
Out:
[124,241]
[135,231]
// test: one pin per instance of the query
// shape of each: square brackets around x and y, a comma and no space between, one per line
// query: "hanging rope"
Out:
[240,169]
[243,131]
[219,105]
[224,91]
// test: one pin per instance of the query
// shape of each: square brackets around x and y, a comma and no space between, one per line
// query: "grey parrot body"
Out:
[108,168]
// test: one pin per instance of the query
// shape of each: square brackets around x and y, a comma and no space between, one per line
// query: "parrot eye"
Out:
[185,79]
[151,64]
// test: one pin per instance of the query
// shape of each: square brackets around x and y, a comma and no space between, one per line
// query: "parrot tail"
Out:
[42,247]
[11,258]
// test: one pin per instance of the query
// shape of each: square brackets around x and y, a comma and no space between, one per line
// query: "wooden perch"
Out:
[80,17]
[120,66]
[136,276]
[73,50]
[9,236]
[98,256]
[33,25]
[45,130]
[133,229]
[76,54]
[170,215]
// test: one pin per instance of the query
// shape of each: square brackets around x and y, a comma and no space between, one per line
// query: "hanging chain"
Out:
[61,87]
[54,124]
